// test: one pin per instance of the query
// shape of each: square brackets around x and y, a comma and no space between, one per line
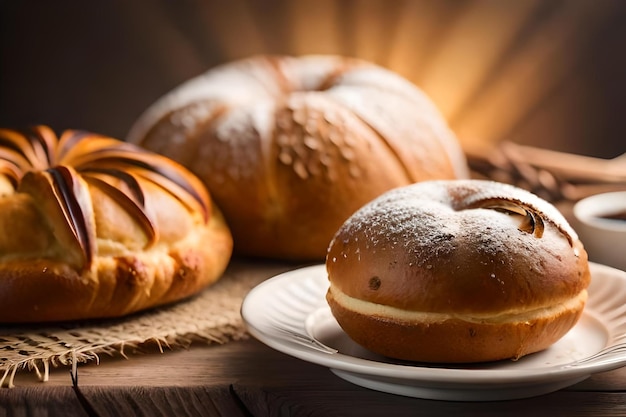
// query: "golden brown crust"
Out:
[45,290]
[458,248]
[100,228]
[454,340]
[290,147]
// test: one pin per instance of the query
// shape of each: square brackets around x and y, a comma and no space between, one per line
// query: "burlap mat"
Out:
[213,316]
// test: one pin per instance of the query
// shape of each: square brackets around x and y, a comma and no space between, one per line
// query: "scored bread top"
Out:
[81,195]
[289,147]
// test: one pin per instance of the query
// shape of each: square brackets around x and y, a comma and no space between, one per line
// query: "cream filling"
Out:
[511,316]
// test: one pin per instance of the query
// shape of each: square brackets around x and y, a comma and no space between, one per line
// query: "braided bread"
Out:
[93,227]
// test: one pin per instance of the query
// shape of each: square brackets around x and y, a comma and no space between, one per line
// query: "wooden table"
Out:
[247,378]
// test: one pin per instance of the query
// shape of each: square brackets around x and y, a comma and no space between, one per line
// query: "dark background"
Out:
[544,73]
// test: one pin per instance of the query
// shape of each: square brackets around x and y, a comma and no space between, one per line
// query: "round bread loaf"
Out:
[291,147]
[457,271]
[92,227]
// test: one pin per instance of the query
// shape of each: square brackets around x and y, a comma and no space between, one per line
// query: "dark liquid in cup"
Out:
[620,215]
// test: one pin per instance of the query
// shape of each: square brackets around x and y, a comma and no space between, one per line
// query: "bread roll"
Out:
[92,227]
[457,271]
[291,147]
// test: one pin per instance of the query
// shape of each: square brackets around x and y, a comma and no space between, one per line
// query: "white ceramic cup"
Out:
[604,239]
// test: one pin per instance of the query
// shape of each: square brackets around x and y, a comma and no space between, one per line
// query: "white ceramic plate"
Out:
[289,313]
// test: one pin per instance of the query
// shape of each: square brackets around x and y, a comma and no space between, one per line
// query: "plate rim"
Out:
[418,373]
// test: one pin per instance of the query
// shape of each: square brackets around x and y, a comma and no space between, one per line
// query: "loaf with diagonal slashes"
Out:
[93,227]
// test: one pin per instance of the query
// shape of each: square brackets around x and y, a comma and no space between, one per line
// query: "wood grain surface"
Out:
[247,378]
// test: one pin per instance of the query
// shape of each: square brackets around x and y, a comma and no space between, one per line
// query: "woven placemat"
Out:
[213,316]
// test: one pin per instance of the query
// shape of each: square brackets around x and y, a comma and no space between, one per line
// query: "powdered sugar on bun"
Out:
[468,251]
